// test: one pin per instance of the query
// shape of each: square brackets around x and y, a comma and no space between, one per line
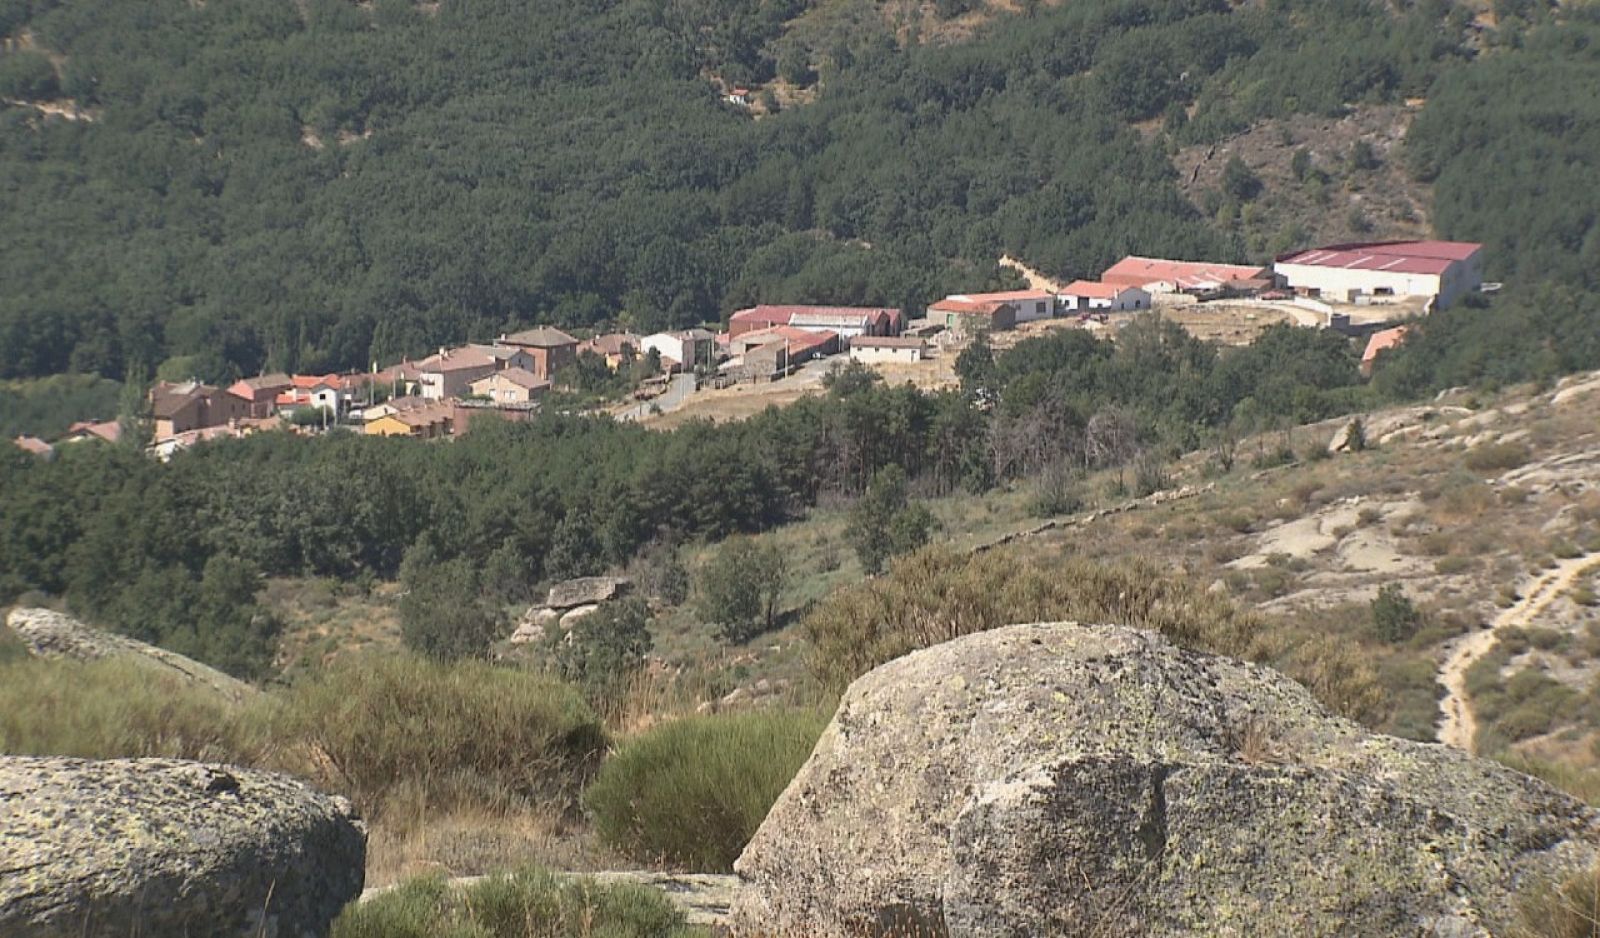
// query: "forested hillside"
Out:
[246,184]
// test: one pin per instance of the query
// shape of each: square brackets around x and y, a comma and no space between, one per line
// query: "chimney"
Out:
[442,353]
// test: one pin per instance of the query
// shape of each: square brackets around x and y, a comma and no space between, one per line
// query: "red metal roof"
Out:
[1406,257]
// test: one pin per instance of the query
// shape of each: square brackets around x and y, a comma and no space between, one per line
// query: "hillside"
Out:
[304,187]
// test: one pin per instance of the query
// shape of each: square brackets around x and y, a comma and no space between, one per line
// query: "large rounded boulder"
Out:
[1059,779]
[164,847]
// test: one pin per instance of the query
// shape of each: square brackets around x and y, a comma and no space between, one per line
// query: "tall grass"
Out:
[529,903]
[692,793]
[938,594]
[115,709]
[399,727]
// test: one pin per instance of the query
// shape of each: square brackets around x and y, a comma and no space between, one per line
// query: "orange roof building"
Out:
[1380,342]
[1158,275]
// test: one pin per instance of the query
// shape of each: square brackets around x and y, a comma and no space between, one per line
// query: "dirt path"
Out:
[1036,280]
[1457,727]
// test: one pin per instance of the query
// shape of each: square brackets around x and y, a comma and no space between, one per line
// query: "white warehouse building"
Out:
[1377,272]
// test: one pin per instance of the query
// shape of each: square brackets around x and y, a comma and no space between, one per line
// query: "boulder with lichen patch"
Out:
[165,847]
[50,634]
[1060,779]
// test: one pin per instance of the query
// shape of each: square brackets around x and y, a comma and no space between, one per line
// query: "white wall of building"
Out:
[669,345]
[1129,299]
[1031,310]
[1345,285]
[872,356]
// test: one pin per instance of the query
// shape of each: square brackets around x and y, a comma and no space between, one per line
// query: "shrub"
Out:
[691,793]
[938,594]
[1394,618]
[118,709]
[884,524]
[1497,457]
[738,589]
[602,648]
[444,612]
[528,903]
[468,733]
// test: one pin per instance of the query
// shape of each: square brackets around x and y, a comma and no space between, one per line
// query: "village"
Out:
[1364,290]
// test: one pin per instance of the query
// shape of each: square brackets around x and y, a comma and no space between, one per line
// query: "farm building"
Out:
[845,321]
[903,350]
[1084,295]
[1029,304]
[1382,271]
[966,316]
[1156,275]
[686,350]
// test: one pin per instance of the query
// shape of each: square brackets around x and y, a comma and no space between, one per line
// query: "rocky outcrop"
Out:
[164,847]
[567,603]
[51,634]
[1060,779]
[585,591]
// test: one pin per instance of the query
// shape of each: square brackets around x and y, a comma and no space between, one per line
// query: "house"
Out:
[773,353]
[846,324]
[1029,304]
[165,447]
[690,348]
[552,349]
[617,348]
[965,316]
[511,386]
[394,405]
[1083,295]
[1380,342]
[739,96]
[802,344]
[1158,275]
[451,372]
[904,350]
[846,321]
[465,415]
[1381,271]
[432,420]
[509,356]
[108,431]
[191,405]
[260,394]
[35,446]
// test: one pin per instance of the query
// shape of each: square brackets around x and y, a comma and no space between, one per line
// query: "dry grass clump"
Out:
[445,735]
[1568,909]
[1497,457]
[937,594]
[528,903]
[118,709]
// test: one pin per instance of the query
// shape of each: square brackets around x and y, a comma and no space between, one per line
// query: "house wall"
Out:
[438,385]
[1343,285]
[669,346]
[497,388]
[890,355]
[1031,310]
[545,362]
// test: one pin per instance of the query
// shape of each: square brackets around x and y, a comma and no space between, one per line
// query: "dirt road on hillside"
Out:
[1457,727]
[1036,280]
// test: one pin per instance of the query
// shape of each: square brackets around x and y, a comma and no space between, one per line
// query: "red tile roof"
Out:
[798,340]
[966,306]
[34,445]
[780,315]
[1380,341]
[1009,296]
[1136,271]
[1095,289]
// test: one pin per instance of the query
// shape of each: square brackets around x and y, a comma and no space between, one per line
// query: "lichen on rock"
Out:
[1060,779]
[166,847]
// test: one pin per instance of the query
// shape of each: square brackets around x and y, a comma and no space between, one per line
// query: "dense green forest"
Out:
[170,551]
[316,185]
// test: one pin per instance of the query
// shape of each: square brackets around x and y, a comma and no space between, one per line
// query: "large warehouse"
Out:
[1442,271]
